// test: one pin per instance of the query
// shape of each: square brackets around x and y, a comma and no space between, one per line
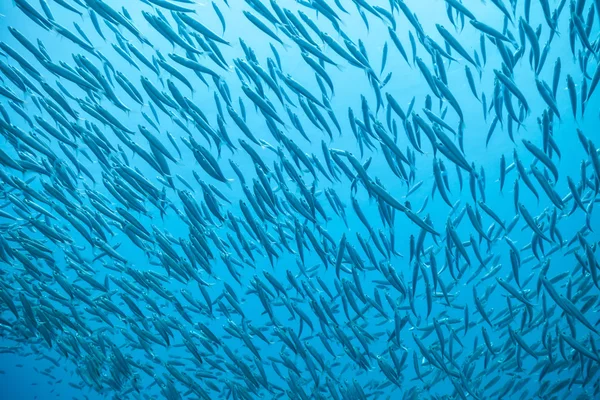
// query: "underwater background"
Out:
[305,200]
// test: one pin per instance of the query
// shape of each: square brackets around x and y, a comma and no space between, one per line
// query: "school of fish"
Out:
[185,217]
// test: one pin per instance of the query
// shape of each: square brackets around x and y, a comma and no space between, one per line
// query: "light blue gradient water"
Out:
[28,374]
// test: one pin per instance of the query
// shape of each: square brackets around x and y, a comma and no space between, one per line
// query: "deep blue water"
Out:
[64,366]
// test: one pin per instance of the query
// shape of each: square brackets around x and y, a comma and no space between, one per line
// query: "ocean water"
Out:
[231,288]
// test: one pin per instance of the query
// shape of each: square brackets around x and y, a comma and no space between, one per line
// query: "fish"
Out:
[246,239]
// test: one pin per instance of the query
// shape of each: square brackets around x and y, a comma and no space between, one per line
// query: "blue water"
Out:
[33,369]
